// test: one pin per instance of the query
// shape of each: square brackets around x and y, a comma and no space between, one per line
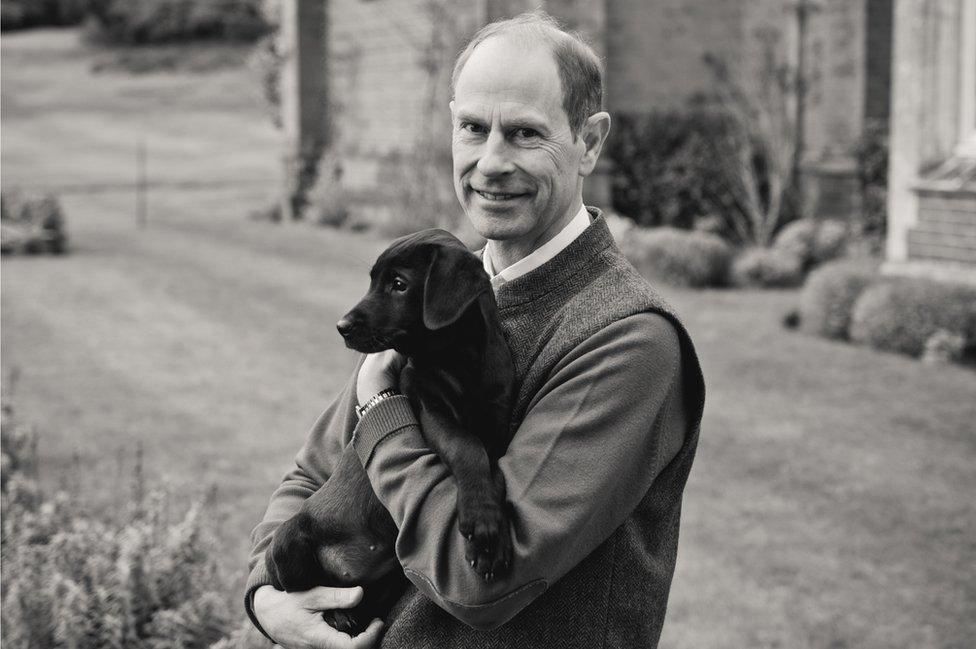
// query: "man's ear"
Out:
[455,278]
[594,134]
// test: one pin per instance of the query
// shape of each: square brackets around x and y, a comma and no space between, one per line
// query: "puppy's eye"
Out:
[398,285]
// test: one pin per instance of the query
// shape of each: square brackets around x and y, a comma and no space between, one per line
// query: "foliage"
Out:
[32,225]
[139,22]
[872,164]
[902,314]
[767,268]
[74,580]
[814,241]
[21,14]
[755,155]
[679,257]
[829,295]
[663,172]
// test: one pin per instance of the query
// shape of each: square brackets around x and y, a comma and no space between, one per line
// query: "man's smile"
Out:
[498,196]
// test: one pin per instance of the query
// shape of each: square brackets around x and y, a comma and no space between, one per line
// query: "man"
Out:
[609,391]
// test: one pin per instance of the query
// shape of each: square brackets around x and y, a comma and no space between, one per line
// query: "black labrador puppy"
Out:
[430,299]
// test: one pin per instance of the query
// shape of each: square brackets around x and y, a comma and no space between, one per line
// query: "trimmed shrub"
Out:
[767,268]
[903,314]
[139,22]
[33,226]
[814,241]
[21,14]
[620,226]
[829,295]
[679,257]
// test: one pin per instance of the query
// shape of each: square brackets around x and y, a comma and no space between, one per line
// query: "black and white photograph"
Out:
[488,324]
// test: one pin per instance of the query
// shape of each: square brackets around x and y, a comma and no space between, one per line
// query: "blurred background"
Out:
[194,191]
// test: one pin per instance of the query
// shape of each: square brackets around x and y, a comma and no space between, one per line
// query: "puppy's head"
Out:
[421,284]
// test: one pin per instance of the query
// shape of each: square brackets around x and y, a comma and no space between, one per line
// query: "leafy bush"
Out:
[679,257]
[829,295]
[138,22]
[33,225]
[21,14]
[767,268]
[902,314]
[871,153]
[73,580]
[662,173]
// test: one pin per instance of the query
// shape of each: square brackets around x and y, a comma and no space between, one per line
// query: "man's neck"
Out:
[506,253]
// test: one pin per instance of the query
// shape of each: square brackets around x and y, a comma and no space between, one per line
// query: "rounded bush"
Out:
[797,238]
[679,257]
[902,314]
[829,241]
[829,295]
[767,268]
[814,241]
[620,226]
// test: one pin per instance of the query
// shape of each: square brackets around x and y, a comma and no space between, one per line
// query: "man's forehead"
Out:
[503,73]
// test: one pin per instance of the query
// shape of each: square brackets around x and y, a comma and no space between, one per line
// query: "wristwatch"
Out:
[375,399]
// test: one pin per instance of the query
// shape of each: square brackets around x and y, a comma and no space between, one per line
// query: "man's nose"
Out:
[496,159]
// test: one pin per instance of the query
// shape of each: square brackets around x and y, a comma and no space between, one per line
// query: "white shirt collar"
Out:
[540,255]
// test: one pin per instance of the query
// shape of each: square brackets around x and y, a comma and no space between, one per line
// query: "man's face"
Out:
[516,161]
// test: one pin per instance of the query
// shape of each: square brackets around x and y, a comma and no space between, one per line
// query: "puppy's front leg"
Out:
[482,518]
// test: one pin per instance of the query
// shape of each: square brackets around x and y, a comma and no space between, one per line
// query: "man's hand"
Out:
[379,372]
[295,621]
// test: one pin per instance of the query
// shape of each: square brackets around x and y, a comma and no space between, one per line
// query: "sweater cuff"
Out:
[258,577]
[382,420]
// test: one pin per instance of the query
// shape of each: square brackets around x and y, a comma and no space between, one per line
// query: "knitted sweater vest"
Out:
[617,596]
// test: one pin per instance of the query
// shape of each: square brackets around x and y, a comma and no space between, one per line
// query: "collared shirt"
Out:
[540,255]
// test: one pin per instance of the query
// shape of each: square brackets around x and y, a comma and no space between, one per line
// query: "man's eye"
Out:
[398,284]
[471,127]
[526,133]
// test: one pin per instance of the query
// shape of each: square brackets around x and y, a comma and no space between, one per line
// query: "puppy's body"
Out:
[429,299]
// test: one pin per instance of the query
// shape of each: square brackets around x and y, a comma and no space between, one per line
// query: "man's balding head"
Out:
[579,68]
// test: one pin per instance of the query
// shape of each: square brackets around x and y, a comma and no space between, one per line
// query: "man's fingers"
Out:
[322,598]
[370,637]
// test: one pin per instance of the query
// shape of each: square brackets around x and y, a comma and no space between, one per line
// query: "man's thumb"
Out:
[324,598]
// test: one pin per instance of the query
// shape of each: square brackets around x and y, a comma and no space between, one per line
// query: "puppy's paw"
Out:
[488,540]
[344,620]
[291,560]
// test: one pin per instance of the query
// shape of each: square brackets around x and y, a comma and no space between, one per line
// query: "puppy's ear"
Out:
[455,278]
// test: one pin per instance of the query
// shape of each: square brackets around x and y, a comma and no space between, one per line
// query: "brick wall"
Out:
[382,98]
[655,50]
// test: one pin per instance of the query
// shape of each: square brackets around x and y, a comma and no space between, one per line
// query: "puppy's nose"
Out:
[344,326]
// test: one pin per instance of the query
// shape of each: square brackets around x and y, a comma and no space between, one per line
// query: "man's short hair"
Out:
[580,69]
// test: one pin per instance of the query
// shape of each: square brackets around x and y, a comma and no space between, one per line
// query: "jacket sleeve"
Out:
[606,422]
[313,466]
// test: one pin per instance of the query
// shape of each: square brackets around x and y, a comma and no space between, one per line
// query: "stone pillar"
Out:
[304,85]
[906,114]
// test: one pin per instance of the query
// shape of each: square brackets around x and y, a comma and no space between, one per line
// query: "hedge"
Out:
[903,314]
[767,268]
[679,257]
[829,294]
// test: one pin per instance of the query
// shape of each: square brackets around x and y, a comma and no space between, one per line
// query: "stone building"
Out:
[932,171]
[385,64]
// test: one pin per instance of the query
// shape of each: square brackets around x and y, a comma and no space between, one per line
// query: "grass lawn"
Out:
[831,503]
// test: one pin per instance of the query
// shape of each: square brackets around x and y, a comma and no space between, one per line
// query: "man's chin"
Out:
[498,226]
